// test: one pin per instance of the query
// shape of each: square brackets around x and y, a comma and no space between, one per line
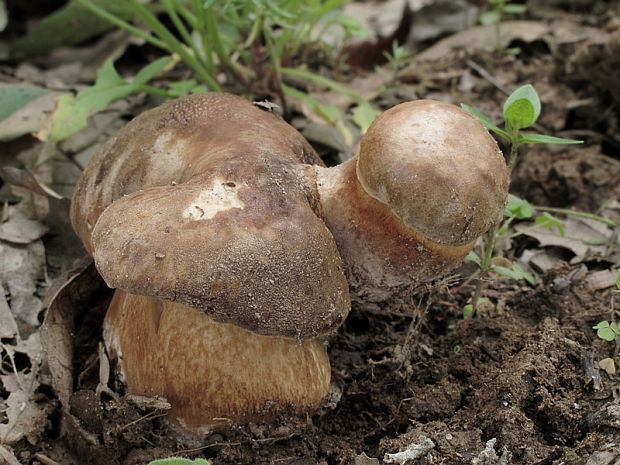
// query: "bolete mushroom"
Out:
[233,249]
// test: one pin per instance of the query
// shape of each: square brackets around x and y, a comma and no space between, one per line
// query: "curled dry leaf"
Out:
[57,329]
[581,236]
[27,180]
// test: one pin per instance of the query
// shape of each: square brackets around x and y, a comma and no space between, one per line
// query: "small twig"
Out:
[148,416]
[215,444]
[44,459]
[8,456]
[486,75]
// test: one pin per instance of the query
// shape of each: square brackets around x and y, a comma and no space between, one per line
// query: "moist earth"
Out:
[519,383]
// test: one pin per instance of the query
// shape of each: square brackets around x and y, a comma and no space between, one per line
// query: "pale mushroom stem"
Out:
[213,374]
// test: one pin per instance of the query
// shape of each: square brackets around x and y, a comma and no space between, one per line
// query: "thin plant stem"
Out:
[312,77]
[498,36]
[176,20]
[578,214]
[512,157]
[485,266]
[241,73]
[102,13]
[173,43]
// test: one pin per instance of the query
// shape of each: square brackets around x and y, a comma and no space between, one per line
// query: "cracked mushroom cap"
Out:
[205,201]
[437,168]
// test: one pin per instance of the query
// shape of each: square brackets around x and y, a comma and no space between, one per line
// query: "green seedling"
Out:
[256,43]
[397,58]
[607,330]
[498,10]
[521,111]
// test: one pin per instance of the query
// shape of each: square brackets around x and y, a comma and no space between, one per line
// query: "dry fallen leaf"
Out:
[363,459]
[23,269]
[602,279]
[608,365]
[8,326]
[18,229]
[24,416]
[57,329]
[8,456]
[34,118]
[483,38]
[27,180]
[581,236]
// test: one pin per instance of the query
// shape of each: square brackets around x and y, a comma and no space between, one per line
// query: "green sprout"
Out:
[257,44]
[607,330]
[521,111]
[396,59]
[498,10]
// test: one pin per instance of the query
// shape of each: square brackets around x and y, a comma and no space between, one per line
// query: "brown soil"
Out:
[520,383]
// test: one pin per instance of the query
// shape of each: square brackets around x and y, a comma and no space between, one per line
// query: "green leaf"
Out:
[69,117]
[548,221]
[351,26]
[485,120]
[363,115]
[518,208]
[4,18]
[14,97]
[516,272]
[618,279]
[179,461]
[151,70]
[72,113]
[189,86]
[606,330]
[490,17]
[473,257]
[522,108]
[525,138]
[514,9]
[468,311]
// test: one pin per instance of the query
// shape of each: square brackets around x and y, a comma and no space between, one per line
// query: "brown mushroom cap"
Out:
[437,168]
[204,201]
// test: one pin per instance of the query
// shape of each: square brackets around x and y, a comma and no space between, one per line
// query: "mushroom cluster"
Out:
[234,251]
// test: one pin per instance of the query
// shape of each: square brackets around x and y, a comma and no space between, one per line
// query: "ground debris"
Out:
[489,457]
[414,451]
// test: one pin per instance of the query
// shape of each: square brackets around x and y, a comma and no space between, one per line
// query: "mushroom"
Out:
[429,180]
[233,249]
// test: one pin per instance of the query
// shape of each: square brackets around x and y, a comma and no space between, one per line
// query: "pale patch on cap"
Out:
[220,197]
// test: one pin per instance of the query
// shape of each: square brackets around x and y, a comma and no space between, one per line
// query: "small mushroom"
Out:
[233,249]
[429,180]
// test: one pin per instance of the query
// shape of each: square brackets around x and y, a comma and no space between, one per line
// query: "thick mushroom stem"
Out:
[212,373]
